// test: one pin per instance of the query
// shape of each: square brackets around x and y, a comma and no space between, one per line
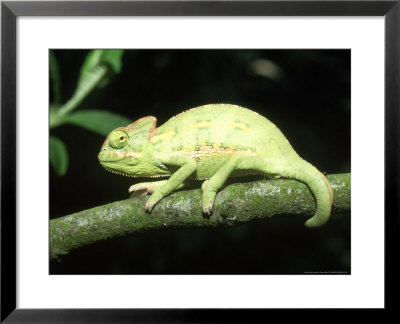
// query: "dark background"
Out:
[306,93]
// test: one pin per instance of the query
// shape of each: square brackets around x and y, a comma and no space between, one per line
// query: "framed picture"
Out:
[286,117]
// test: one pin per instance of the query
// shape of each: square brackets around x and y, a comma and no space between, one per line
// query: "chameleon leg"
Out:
[211,186]
[142,188]
[187,167]
[295,168]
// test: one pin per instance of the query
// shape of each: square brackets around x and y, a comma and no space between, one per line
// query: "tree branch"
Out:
[235,204]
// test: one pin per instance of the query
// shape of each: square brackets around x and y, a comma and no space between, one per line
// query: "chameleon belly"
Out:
[211,142]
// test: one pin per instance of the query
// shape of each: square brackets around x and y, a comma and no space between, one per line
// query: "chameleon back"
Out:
[220,130]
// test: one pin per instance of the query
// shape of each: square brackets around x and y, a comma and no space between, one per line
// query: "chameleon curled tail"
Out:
[320,188]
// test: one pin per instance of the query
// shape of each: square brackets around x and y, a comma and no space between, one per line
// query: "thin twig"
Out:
[235,204]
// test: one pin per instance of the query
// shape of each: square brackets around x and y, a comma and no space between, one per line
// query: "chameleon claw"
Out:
[152,201]
[207,209]
[148,207]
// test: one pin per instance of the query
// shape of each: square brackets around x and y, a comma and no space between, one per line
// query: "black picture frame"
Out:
[11,10]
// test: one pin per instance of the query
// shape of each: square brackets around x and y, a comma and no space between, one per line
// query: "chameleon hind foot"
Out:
[208,197]
[207,209]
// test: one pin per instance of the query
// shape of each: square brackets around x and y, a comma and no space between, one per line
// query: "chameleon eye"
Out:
[118,139]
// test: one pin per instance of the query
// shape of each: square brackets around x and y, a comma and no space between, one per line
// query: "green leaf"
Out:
[91,60]
[58,156]
[99,121]
[90,80]
[55,78]
[97,60]
[113,58]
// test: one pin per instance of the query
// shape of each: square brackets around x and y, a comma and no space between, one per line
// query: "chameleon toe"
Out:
[134,188]
[137,190]
[148,207]
[207,209]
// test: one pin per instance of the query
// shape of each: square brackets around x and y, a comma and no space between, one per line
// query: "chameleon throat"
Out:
[134,175]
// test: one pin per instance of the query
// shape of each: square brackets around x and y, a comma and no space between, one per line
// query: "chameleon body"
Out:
[211,143]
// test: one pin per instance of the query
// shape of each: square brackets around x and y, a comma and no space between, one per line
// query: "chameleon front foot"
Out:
[152,201]
[139,190]
[143,188]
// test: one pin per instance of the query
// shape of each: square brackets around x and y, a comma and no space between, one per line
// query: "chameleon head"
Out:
[124,150]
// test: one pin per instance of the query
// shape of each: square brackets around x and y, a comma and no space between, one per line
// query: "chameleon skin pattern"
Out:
[211,143]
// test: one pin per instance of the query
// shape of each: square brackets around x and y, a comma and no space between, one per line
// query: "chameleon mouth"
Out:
[117,156]
[106,157]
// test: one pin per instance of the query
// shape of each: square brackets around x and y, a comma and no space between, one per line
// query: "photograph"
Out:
[199,161]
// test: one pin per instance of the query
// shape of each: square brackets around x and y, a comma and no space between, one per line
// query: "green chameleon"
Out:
[211,143]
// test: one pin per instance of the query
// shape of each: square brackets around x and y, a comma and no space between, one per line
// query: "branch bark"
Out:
[235,204]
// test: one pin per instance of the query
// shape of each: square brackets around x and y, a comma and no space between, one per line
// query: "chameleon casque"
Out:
[211,143]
